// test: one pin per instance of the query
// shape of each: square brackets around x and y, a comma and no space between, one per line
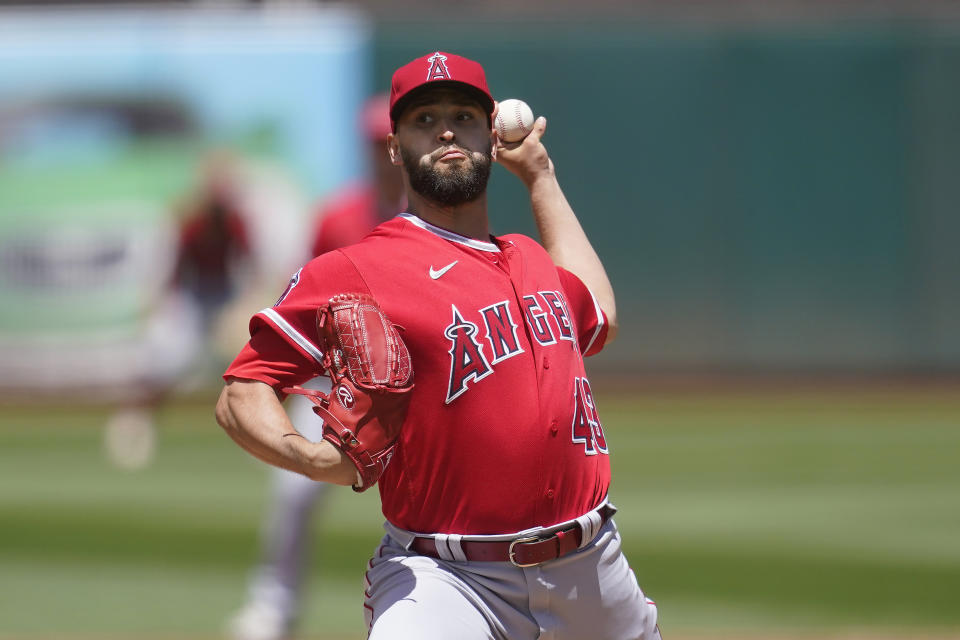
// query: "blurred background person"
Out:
[211,257]
[352,212]
[349,214]
[214,253]
[217,266]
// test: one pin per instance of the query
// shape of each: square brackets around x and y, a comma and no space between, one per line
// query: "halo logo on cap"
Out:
[438,67]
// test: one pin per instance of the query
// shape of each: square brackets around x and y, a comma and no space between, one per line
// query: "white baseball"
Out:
[514,120]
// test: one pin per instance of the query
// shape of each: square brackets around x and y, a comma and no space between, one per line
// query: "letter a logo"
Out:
[438,67]
[467,361]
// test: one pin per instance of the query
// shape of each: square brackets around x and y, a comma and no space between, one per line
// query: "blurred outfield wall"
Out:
[781,197]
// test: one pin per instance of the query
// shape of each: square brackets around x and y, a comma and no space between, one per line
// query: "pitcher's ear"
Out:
[393,148]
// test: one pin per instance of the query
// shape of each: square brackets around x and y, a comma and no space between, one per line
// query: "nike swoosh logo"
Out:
[436,273]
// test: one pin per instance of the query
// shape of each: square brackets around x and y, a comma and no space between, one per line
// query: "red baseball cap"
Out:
[437,67]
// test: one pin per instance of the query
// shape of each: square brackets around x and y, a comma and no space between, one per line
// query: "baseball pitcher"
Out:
[459,389]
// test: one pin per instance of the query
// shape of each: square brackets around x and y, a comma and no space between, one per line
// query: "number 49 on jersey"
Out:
[586,421]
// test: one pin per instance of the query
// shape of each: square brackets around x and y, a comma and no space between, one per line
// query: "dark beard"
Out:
[455,187]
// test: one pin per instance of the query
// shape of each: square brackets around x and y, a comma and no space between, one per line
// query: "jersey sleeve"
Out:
[284,346]
[591,321]
[269,358]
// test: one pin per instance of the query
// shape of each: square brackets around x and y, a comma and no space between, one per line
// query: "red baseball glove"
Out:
[369,366]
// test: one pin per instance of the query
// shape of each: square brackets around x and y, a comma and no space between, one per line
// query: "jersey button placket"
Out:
[554,429]
[550,494]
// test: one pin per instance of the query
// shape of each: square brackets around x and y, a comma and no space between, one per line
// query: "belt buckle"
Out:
[510,551]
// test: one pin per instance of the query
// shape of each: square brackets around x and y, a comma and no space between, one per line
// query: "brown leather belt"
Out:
[525,551]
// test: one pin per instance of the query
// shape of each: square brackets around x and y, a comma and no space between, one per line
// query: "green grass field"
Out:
[760,514]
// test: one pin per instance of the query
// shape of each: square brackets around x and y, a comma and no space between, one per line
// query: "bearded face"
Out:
[448,184]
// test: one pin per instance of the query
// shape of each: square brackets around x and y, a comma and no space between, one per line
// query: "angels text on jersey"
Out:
[477,347]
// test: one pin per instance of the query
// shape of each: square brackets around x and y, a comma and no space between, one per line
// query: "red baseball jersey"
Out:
[502,433]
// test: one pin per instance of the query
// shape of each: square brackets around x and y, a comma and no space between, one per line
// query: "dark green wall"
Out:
[765,197]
